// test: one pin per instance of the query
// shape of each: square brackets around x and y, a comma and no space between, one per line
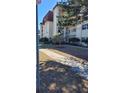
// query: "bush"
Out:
[44,40]
[85,40]
[74,39]
[57,39]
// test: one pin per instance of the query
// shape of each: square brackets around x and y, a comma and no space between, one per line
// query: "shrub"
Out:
[44,40]
[57,39]
[85,40]
[74,39]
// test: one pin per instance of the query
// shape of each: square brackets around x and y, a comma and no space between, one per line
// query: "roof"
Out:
[55,6]
[48,17]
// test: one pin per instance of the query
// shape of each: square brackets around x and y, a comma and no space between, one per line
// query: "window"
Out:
[84,26]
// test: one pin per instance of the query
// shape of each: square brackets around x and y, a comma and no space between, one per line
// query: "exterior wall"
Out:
[55,20]
[85,31]
[48,29]
[72,32]
[66,34]
[39,34]
[41,30]
[77,31]
[45,32]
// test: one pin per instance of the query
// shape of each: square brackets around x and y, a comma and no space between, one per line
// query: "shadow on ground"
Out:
[58,78]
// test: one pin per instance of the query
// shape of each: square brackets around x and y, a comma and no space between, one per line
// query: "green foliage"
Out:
[74,12]
[44,40]
[74,39]
[57,39]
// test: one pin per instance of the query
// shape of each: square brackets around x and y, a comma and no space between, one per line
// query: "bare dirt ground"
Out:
[58,78]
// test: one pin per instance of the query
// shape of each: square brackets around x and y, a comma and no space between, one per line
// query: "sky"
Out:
[44,7]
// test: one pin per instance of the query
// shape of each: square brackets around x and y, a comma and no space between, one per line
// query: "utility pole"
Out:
[37,54]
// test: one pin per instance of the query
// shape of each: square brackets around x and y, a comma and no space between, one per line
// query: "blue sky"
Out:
[44,7]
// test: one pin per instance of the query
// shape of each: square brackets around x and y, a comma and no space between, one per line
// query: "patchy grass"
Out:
[43,57]
[58,78]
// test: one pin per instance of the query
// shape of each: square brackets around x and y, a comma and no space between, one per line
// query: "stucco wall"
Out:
[55,20]
[48,29]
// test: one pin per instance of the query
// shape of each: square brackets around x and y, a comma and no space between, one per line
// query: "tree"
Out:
[73,12]
[57,39]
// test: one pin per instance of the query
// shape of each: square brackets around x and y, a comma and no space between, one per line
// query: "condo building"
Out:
[47,25]
[50,27]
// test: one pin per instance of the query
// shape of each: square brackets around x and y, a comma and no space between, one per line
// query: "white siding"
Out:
[79,32]
[55,20]
[48,29]
[85,31]
[72,32]
[41,30]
